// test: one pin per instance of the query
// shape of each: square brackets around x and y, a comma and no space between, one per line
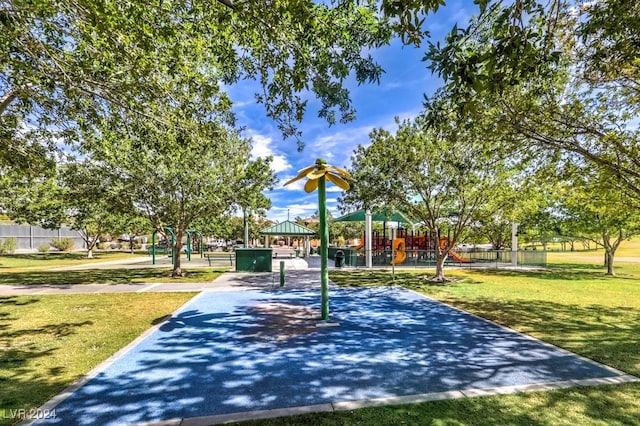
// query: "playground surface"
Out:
[250,349]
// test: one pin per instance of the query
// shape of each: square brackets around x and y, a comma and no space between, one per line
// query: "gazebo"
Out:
[289,229]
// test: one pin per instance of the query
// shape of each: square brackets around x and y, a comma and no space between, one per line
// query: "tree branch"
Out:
[229,4]
[7,98]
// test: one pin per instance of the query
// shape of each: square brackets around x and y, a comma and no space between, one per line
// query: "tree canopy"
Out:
[189,169]
[563,75]
[448,173]
[61,59]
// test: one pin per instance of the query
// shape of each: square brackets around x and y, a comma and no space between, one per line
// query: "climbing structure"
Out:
[408,246]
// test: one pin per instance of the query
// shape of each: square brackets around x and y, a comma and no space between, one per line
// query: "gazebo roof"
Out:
[287,228]
[359,216]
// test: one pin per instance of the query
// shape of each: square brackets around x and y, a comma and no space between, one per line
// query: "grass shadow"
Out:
[102,276]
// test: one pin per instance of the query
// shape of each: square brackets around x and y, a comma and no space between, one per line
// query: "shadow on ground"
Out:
[253,350]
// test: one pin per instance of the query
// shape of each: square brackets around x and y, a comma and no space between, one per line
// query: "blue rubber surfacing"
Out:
[228,352]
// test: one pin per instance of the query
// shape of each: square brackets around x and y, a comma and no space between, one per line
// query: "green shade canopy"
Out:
[359,216]
[287,228]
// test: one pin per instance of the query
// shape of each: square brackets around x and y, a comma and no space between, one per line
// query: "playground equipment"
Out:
[170,249]
[408,245]
[400,253]
[445,243]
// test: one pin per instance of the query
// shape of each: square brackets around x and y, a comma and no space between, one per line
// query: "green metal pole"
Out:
[281,274]
[324,249]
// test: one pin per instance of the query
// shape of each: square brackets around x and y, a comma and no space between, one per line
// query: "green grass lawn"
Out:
[108,276]
[40,269]
[40,261]
[47,342]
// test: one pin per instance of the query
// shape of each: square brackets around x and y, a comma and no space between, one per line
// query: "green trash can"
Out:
[253,259]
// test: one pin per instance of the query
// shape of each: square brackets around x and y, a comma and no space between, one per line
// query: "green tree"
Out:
[610,34]
[592,209]
[346,230]
[133,225]
[176,173]
[64,60]
[433,174]
[90,197]
[561,73]
[38,201]
[83,195]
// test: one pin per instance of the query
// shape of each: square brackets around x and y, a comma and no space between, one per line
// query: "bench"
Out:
[159,250]
[217,256]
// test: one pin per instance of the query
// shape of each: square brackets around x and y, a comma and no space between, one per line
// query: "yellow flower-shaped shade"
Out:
[337,175]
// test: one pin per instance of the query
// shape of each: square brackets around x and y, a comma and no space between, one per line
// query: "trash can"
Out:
[339,258]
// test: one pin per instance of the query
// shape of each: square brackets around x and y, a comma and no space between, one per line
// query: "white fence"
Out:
[31,237]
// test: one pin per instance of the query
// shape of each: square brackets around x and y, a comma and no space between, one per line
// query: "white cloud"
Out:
[337,147]
[242,104]
[292,211]
[333,188]
[294,186]
[262,148]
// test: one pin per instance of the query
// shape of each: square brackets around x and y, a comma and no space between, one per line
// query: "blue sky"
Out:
[399,94]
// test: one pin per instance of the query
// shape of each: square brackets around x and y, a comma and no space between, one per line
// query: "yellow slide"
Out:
[401,255]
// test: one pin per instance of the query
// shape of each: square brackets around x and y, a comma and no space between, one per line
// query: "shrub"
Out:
[102,246]
[44,248]
[63,244]
[8,246]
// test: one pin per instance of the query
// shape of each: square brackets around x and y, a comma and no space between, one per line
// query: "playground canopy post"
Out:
[200,245]
[153,244]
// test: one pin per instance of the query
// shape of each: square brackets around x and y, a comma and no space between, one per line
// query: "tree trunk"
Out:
[609,255]
[7,98]
[90,253]
[610,248]
[177,270]
[440,259]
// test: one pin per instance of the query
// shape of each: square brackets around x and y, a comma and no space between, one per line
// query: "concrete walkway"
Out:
[228,280]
